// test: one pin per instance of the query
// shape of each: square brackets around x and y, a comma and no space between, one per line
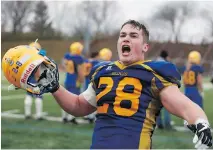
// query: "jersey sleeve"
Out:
[166,74]
[66,56]
[96,68]
[96,72]
[200,69]
[90,95]
[80,60]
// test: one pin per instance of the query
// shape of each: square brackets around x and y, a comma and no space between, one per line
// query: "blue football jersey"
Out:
[190,83]
[89,64]
[190,76]
[71,65]
[128,102]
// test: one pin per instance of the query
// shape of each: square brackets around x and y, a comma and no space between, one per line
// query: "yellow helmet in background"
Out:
[105,54]
[194,57]
[19,63]
[76,48]
[36,45]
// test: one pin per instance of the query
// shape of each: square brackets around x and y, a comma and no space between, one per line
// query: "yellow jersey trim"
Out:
[122,66]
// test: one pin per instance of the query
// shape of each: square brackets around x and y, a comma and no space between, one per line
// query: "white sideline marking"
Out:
[8,114]
[11,111]
[12,97]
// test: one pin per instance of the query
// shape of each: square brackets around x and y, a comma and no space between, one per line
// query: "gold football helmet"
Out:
[194,57]
[76,48]
[22,65]
[105,54]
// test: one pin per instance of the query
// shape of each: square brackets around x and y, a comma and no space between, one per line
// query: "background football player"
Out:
[88,65]
[29,97]
[192,78]
[73,64]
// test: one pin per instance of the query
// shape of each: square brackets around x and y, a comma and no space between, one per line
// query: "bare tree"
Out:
[41,23]
[93,19]
[4,20]
[17,12]
[174,13]
[207,15]
[97,16]
[59,18]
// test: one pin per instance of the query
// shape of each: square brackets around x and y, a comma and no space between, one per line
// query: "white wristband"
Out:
[201,120]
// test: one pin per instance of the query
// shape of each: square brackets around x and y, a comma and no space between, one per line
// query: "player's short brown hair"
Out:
[140,26]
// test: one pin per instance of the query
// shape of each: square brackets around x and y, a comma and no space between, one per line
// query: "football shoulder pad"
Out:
[98,67]
[166,70]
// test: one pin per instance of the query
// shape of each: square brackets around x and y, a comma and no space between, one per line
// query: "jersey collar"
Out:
[121,66]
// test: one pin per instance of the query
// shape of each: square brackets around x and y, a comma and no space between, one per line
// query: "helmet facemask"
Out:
[41,77]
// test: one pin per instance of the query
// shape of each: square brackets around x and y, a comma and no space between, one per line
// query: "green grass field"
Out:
[33,134]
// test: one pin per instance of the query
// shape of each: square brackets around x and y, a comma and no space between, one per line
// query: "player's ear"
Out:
[145,47]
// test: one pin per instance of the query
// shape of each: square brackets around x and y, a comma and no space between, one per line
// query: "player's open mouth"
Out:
[125,50]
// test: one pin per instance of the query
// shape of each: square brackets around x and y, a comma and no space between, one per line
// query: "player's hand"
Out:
[203,137]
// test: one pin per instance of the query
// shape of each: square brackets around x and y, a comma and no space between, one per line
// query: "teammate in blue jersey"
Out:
[192,78]
[73,64]
[88,65]
[29,97]
[128,95]
[104,54]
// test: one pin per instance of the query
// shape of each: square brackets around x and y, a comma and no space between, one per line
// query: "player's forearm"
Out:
[178,104]
[68,101]
[192,112]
